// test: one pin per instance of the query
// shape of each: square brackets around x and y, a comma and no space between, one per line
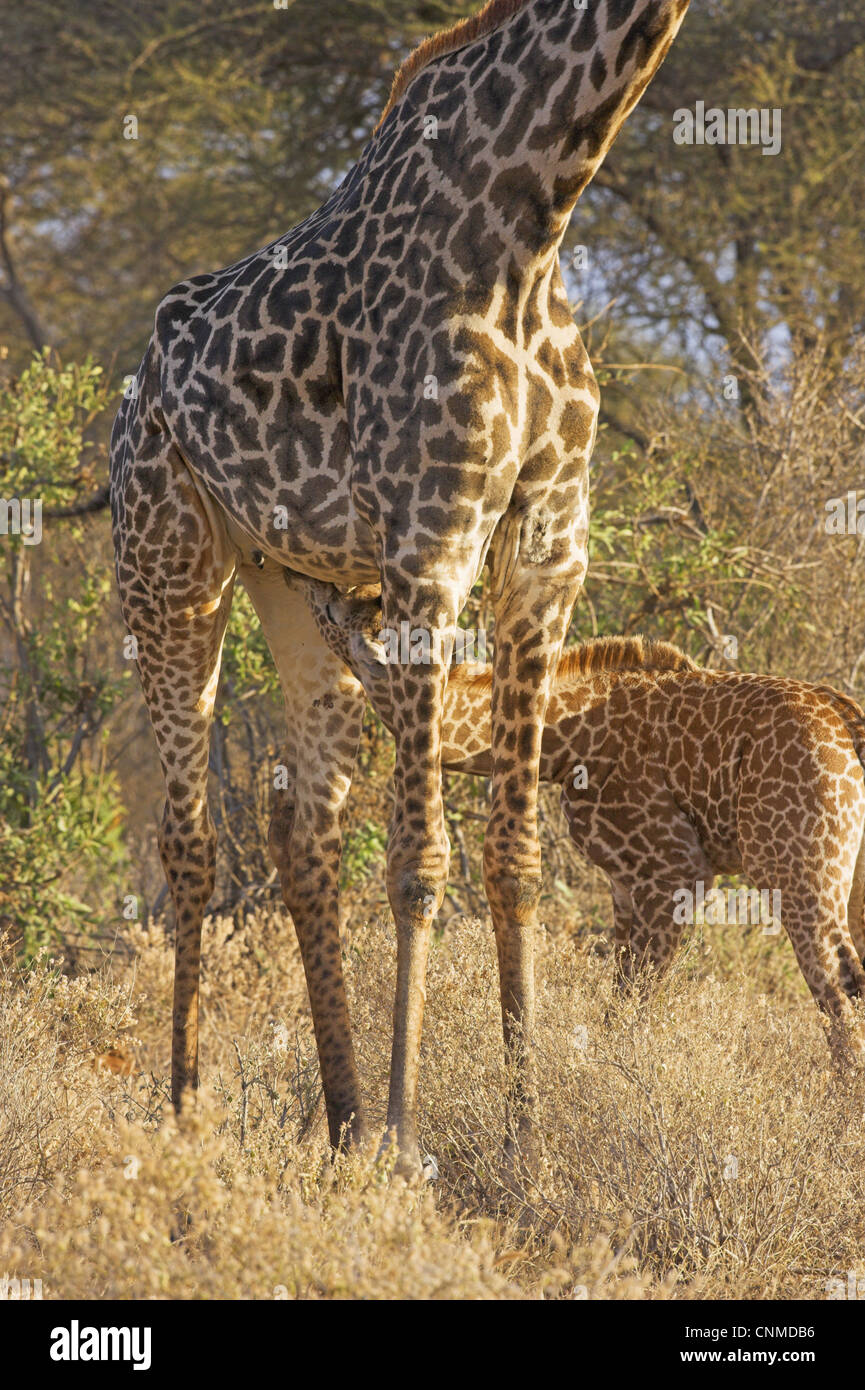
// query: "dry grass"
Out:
[698,1147]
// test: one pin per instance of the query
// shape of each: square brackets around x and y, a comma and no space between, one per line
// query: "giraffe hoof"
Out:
[353,1136]
[407,1163]
[409,1167]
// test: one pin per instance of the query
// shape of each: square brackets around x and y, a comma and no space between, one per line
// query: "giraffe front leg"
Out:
[656,929]
[623,919]
[418,846]
[666,871]
[627,822]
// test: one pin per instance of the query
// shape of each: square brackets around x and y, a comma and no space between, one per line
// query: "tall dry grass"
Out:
[698,1146]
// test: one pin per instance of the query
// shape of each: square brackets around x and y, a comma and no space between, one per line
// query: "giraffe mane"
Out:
[623,654]
[493,15]
[593,658]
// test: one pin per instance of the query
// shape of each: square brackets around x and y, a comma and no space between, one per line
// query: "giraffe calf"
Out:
[671,774]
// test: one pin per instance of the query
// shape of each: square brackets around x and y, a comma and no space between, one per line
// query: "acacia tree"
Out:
[710,251]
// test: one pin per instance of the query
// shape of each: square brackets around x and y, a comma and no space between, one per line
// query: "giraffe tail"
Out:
[854,717]
[856,903]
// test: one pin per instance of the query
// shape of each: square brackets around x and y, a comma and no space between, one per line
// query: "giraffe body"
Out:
[395,390]
[671,774]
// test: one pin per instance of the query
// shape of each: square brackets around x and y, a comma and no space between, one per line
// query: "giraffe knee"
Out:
[308,869]
[512,884]
[415,897]
[279,831]
[515,895]
[187,848]
[417,872]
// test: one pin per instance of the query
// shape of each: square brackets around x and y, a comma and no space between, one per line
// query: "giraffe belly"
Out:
[270,444]
[716,829]
[303,518]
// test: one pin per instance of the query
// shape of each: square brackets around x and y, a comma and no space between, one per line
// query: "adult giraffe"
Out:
[394,390]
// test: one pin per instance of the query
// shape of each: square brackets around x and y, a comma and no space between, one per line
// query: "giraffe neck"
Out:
[532,107]
[584,681]
[466,721]
[616,47]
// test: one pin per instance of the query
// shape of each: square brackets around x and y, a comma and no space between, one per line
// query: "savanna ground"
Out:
[698,1147]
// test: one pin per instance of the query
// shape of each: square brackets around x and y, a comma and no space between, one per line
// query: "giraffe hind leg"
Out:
[856,903]
[814,915]
[833,971]
[653,868]
[324,707]
[818,877]
[175,570]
